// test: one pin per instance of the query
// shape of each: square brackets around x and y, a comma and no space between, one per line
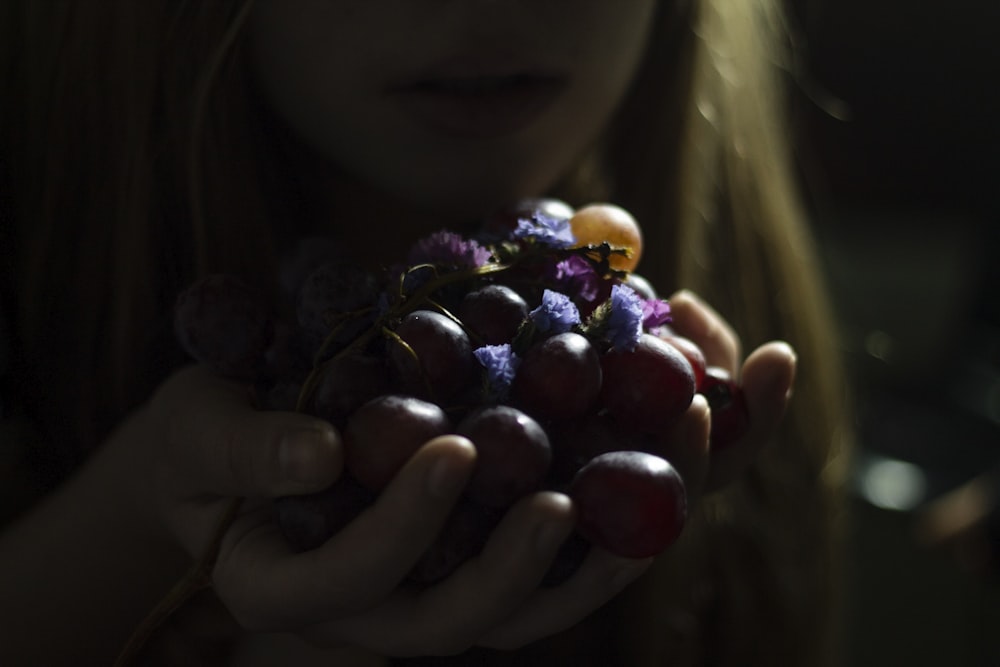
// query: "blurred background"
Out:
[895,121]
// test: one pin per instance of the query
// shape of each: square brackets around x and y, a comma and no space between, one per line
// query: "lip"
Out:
[466,98]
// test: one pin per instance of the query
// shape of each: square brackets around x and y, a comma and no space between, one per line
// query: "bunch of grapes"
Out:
[534,339]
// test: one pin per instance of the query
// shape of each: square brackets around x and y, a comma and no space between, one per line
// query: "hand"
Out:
[350,589]
[965,523]
[767,376]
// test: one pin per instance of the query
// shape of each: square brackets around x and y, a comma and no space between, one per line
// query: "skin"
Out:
[155,491]
[147,502]
[327,69]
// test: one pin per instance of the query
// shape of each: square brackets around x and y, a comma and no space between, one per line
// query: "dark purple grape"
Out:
[648,388]
[559,378]
[463,536]
[382,435]
[434,360]
[691,352]
[512,454]
[331,291]
[309,520]
[349,381]
[501,223]
[224,324]
[631,503]
[493,313]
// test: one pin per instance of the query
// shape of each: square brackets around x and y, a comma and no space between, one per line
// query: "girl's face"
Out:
[449,105]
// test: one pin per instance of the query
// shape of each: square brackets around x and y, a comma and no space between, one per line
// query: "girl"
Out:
[145,144]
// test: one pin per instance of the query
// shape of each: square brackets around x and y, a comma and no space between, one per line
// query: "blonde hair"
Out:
[764,555]
[142,162]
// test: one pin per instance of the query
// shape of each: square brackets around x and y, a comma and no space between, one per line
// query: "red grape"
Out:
[503,221]
[385,432]
[649,387]
[330,292]
[434,360]
[513,454]
[350,380]
[579,411]
[493,313]
[224,324]
[631,503]
[692,353]
[559,378]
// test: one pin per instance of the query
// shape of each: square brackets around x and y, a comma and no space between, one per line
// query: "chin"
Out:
[458,197]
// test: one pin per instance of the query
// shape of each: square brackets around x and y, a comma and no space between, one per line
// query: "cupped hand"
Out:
[352,589]
[767,376]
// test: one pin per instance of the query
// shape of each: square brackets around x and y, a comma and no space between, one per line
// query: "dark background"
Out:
[895,127]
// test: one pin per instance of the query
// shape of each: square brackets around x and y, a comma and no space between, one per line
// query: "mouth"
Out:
[479,106]
[489,84]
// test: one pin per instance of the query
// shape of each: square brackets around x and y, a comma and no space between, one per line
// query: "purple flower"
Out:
[557,314]
[545,229]
[624,318]
[655,313]
[449,249]
[501,365]
[575,275]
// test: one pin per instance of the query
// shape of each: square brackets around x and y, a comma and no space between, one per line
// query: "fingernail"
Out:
[303,458]
[782,379]
[684,293]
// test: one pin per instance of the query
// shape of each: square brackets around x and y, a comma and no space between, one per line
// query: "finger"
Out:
[223,446]
[686,446]
[692,318]
[270,588]
[768,377]
[551,610]
[956,513]
[452,616]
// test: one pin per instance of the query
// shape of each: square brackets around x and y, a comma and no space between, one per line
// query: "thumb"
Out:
[224,446]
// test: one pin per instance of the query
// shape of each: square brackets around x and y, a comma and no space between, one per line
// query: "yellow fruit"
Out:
[599,223]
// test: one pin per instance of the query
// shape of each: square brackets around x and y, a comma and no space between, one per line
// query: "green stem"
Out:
[408,305]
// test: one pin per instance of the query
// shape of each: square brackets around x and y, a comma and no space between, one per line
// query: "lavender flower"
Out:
[575,275]
[501,364]
[545,229]
[449,249]
[655,313]
[557,314]
[624,318]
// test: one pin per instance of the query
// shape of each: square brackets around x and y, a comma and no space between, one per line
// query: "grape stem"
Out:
[197,579]
[406,306]
[598,254]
